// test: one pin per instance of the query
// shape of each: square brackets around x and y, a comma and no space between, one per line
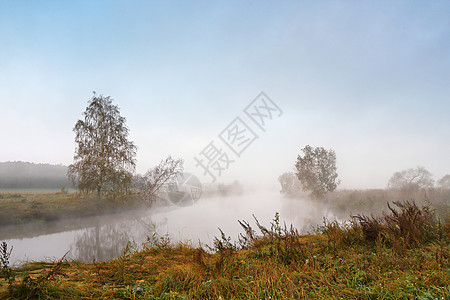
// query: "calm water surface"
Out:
[104,237]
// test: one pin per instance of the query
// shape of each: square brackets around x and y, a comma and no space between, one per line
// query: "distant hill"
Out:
[29,175]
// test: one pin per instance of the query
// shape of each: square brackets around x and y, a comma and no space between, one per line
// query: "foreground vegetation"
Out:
[404,254]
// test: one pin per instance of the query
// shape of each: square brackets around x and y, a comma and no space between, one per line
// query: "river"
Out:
[105,237]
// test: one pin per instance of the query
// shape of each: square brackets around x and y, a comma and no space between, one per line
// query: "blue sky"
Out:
[367,79]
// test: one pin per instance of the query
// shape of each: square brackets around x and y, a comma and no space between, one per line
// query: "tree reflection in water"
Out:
[106,242]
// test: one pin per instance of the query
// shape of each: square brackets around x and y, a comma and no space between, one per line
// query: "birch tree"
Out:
[104,158]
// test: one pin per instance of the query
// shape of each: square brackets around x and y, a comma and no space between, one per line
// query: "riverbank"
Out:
[19,207]
[341,261]
[43,207]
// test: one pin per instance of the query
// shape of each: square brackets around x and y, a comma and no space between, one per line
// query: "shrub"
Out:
[412,224]
[370,226]
[407,225]
[6,270]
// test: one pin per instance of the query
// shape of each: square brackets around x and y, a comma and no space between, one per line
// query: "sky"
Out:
[368,79]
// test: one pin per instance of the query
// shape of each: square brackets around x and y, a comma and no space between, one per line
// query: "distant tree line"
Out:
[317,173]
[17,175]
[415,179]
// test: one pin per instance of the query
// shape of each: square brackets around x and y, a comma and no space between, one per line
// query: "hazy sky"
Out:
[369,79]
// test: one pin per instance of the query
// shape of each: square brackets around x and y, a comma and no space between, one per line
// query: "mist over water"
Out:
[105,237]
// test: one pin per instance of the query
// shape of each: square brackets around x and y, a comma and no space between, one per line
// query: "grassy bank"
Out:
[408,258]
[40,206]
[25,207]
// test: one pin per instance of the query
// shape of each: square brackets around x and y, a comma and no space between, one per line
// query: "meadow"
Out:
[40,206]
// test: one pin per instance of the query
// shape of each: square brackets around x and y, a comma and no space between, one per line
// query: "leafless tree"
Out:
[156,178]
[444,182]
[411,179]
[104,158]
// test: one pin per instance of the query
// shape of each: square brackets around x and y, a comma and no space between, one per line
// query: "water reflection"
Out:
[106,242]
[105,237]
[100,243]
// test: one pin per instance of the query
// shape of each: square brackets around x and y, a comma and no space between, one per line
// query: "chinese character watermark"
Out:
[184,190]
[261,110]
[237,136]
[213,161]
